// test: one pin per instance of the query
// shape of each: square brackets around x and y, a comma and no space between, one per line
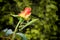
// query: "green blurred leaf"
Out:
[1,0]
[29,23]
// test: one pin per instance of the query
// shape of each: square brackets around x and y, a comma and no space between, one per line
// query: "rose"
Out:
[26,13]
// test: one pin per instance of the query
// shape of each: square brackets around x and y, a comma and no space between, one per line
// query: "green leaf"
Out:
[1,0]
[10,20]
[53,6]
[29,23]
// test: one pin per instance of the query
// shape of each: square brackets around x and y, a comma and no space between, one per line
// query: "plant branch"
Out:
[20,21]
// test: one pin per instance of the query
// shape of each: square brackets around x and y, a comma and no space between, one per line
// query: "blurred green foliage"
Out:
[44,10]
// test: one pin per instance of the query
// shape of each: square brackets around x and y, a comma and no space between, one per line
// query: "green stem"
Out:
[16,28]
[29,23]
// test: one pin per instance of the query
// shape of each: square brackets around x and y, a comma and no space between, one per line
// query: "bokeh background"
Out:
[47,11]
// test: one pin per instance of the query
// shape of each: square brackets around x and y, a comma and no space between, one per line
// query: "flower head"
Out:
[26,13]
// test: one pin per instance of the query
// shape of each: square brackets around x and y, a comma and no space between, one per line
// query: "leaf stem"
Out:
[20,21]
